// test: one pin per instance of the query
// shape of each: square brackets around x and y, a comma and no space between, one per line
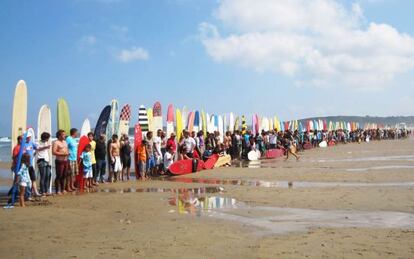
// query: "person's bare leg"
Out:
[128,173]
[34,188]
[72,182]
[21,196]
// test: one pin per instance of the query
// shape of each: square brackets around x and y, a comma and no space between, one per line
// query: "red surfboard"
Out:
[209,163]
[83,141]
[185,167]
[274,153]
[307,145]
[137,143]
[331,143]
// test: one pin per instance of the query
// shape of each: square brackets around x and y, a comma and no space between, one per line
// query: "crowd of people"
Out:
[153,156]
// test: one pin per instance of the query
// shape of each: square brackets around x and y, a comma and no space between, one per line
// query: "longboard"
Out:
[197,122]
[137,143]
[211,161]
[274,153]
[143,119]
[44,124]
[63,116]
[86,128]
[124,118]
[179,124]
[102,122]
[204,123]
[170,120]
[19,117]
[222,161]
[185,166]
[150,118]
[83,141]
[157,117]
[190,122]
[112,127]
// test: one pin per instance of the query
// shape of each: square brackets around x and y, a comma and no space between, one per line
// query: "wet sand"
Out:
[264,222]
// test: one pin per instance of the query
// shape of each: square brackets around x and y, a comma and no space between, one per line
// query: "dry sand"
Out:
[130,225]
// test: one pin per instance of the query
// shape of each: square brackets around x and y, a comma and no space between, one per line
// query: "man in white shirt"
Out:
[189,145]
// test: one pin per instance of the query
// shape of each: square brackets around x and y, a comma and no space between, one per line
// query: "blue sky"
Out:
[221,56]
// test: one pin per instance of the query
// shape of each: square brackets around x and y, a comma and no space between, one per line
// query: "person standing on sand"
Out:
[125,156]
[61,153]
[73,160]
[290,146]
[100,156]
[150,154]
[29,148]
[189,145]
[43,163]
[92,142]
[22,178]
[171,145]
[157,152]
[114,151]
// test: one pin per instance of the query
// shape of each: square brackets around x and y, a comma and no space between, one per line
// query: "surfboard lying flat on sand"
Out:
[274,153]
[222,161]
[186,166]
[19,117]
[211,161]
[63,116]
[253,155]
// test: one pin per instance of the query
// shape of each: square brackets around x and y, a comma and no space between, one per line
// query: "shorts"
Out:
[158,160]
[88,173]
[32,174]
[73,168]
[126,162]
[23,184]
[116,166]
[151,162]
[142,167]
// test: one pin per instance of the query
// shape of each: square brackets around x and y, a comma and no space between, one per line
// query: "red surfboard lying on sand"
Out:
[209,163]
[331,143]
[83,141]
[274,153]
[307,145]
[185,166]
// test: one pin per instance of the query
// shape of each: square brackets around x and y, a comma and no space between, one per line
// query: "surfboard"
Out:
[244,125]
[44,124]
[143,120]
[63,116]
[211,161]
[222,161]
[190,122]
[254,124]
[19,117]
[150,117]
[204,123]
[83,141]
[215,122]
[184,116]
[253,155]
[170,120]
[186,166]
[274,153]
[220,128]
[231,122]
[137,143]
[102,122]
[113,120]
[208,123]
[197,122]
[225,128]
[178,124]
[86,128]
[157,117]
[307,145]
[331,143]
[323,144]
[124,119]
[265,124]
[237,123]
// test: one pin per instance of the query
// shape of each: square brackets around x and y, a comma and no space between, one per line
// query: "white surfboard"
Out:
[19,117]
[86,128]
[231,122]
[221,128]
[323,144]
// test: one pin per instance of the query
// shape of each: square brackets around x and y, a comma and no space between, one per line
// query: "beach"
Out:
[348,201]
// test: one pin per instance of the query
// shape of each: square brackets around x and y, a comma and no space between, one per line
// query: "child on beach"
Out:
[86,157]
[142,160]
[22,178]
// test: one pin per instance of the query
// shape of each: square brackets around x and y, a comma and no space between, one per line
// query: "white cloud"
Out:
[320,43]
[133,54]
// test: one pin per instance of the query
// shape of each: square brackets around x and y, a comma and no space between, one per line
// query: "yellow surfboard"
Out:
[244,125]
[19,117]
[204,122]
[178,123]
[63,116]
[150,119]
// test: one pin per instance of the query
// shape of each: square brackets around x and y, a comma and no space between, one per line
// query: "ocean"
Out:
[5,155]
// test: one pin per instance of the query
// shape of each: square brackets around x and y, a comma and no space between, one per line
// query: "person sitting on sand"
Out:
[189,145]
[168,159]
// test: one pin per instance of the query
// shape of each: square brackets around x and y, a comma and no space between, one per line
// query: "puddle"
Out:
[368,159]
[287,184]
[385,167]
[203,190]
[274,220]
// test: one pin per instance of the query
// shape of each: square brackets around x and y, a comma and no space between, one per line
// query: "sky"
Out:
[290,58]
